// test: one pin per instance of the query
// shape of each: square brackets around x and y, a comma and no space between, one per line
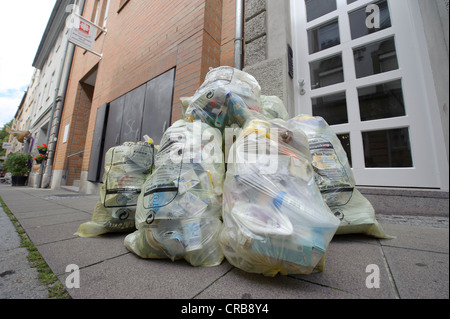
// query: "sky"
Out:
[23,23]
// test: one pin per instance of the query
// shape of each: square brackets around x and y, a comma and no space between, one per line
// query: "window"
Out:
[46,92]
[375,58]
[122,4]
[50,88]
[387,148]
[326,71]
[318,8]
[104,14]
[358,20]
[345,141]
[333,108]
[58,43]
[96,11]
[323,37]
[100,13]
[381,101]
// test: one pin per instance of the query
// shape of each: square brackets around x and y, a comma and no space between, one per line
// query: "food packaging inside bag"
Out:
[126,168]
[179,208]
[275,220]
[227,96]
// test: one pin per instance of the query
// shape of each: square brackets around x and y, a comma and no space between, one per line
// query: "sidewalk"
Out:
[414,265]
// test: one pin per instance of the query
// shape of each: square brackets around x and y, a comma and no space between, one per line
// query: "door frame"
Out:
[426,138]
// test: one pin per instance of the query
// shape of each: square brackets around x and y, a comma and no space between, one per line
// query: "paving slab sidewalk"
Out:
[414,265]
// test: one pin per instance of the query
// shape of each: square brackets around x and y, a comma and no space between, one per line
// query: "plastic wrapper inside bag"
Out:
[227,96]
[335,179]
[178,213]
[126,168]
[275,220]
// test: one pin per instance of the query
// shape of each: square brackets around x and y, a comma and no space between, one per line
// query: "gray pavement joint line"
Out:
[41,216]
[326,286]
[390,275]
[61,223]
[80,210]
[56,241]
[213,282]
[52,203]
[96,263]
[417,249]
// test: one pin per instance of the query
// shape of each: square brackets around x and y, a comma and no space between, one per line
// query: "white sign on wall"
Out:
[83,33]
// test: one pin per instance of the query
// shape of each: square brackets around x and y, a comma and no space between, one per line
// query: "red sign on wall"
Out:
[84,27]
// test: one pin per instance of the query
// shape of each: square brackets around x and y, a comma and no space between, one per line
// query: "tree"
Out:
[4,136]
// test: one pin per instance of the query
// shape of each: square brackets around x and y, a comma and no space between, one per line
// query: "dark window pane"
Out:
[351,1]
[132,115]
[333,108]
[381,101]
[158,105]
[345,141]
[375,58]
[359,17]
[326,72]
[318,8]
[323,37]
[388,148]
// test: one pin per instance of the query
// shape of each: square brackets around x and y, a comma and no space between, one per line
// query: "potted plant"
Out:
[19,165]
[42,148]
[39,158]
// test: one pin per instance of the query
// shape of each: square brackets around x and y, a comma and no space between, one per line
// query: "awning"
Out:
[20,135]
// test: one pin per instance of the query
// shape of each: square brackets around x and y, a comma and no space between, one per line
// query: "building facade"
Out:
[377,71]
[46,90]
[153,53]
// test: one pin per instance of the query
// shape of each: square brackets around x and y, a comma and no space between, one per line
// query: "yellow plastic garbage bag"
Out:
[126,168]
[335,179]
[275,220]
[178,213]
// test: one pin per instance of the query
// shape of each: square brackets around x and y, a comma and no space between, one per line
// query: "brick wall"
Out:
[144,40]
[228,30]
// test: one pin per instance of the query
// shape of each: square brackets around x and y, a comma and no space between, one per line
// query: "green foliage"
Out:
[46,276]
[4,137]
[18,164]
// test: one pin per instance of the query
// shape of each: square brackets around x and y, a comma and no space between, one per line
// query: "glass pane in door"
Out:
[345,141]
[358,20]
[326,72]
[387,148]
[381,101]
[318,8]
[323,37]
[333,108]
[375,58]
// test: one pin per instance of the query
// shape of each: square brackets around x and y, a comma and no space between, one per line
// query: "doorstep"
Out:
[403,201]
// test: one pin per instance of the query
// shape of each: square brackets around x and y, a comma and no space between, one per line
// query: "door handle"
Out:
[301,85]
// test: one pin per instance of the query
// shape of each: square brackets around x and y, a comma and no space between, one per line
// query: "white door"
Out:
[356,66]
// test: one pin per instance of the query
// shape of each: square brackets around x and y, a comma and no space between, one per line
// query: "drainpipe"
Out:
[61,99]
[239,34]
